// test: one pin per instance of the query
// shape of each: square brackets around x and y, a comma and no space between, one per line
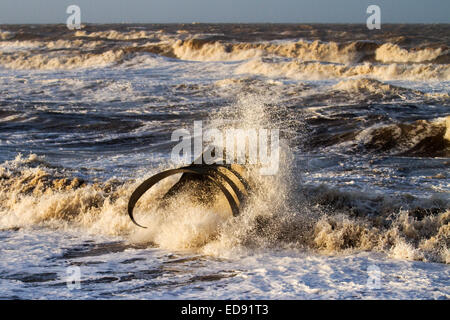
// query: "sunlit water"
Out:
[363,181]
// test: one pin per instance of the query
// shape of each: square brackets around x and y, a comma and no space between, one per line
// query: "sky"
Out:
[246,11]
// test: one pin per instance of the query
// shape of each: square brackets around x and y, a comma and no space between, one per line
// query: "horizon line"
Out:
[194,23]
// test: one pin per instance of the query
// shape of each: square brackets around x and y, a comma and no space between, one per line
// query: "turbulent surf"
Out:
[86,117]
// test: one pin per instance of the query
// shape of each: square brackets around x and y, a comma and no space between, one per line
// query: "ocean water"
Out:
[359,209]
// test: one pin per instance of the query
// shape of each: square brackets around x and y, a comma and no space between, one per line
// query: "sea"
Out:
[359,207]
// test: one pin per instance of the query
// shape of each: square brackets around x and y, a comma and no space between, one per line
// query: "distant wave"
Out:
[319,70]
[302,59]
[389,52]
[6,35]
[52,61]
[420,138]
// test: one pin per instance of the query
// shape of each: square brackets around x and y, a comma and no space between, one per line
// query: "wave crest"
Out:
[317,70]
[389,52]
[42,61]
[205,50]
[420,138]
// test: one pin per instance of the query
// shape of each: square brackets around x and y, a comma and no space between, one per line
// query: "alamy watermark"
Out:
[73,22]
[374,20]
[260,147]
[374,279]
[73,277]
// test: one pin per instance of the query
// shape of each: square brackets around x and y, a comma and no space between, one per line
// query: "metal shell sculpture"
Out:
[207,178]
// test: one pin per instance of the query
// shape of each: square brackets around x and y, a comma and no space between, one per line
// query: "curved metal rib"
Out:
[236,174]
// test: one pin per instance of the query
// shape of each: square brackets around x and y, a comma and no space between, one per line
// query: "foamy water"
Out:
[363,185]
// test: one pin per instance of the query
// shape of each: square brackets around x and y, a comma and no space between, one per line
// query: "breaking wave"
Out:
[44,61]
[6,35]
[319,70]
[301,59]
[22,60]
[420,138]
[204,50]
[372,86]
[346,53]
[389,52]
[116,35]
